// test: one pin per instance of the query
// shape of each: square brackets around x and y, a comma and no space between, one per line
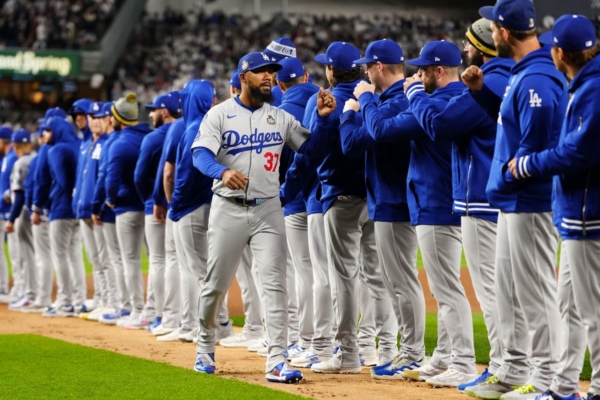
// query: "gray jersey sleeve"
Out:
[209,134]
[19,173]
[296,133]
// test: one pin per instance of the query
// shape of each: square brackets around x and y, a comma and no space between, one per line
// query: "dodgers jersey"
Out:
[19,173]
[249,142]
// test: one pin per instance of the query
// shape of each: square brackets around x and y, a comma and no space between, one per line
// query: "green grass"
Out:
[35,367]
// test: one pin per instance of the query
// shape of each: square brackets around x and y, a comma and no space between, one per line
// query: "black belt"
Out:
[244,202]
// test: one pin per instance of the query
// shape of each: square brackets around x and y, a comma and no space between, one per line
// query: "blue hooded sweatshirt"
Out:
[575,162]
[277,96]
[531,118]
[61,162]
[338,174]
[169,153]
[294,101]
[192,188]
[146,169]
[429,180]
[89,176]
[7,165]
[472,130]
[122,158]
[99,206]
[386,164]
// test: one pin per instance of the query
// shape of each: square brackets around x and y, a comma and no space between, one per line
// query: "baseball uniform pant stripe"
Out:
[324,318]
[253,324]
[155,239]
[441,250]
[114,254]
[397,245]
[43,261]
[13,253]
[98,265]
[172,293]
[584,260]
[231,228]
[479,244]
[130,233]
[27,254]
[70,271]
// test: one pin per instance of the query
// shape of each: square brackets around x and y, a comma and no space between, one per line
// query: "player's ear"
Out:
[243,78]
[281,86]
[305,77]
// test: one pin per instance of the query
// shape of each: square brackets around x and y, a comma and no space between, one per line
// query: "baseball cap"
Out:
[169,100]
[339,55]
[235,80]
[5,133]
[438,52]
[573,33]
[292,68]
[546,38]
[280,48]
[384,51]
[81,106]
[53,112]
[94,108]
[512,14]
[105,110]
[479,35]
[21,136]
[255,60]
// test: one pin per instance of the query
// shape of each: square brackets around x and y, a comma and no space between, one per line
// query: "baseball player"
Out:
[18,223]
[163,111]
[575,164]
[5,146]
[386,163]
[293,81]
[278,50]
[123,198]
[430,204]
[472,130]
[530,120]
[348,231]
[61,163]
[239,145]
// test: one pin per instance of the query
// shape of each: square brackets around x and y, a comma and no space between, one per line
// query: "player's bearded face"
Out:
[474,56]
[259,85]
[157,119]
[428,76]
[502,47]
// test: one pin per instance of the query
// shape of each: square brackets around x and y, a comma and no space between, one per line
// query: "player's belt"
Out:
[240,201]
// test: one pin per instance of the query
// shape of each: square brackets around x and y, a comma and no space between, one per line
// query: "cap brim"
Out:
[487,12]
[322,59]
[41,120]
[417,62]
[44,127]
[547,39]
[363,61]
[276,66]
[150,106]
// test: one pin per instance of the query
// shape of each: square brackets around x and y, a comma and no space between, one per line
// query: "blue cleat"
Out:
[550,395]
[205,363]
[282,373]
[157,321]
[395,369]
[480,379]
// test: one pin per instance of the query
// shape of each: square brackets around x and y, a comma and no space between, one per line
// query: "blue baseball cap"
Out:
[105,110]
[438,52]
[53,112]
[256,60]
[384,51]
[573,33]
[235,80]
[81,106]
[21,136]
[546,38]
[339,55]
[94,108]
[169,100]
[5,133]
[513,14]
[292,69]
[280,49]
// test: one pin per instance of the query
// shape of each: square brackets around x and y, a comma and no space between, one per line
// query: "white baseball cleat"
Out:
[263,343]
[307,359]
[188,337]
[369,359]
[334,366]
[169,337]
[239,340]
[423,373]
[264,352]
[161,330]
[33,308]
[451,378]
[224,331]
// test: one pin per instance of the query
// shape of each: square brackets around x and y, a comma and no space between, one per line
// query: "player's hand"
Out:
[512,166]
[9,227]
[326,103]
[160,214]
[234,180]
[351,104]
[363,87]
[409,81]
[110,205]
[473,78]
[96,219]
[36,219]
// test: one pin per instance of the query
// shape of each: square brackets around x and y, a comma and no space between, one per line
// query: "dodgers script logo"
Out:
[255,141]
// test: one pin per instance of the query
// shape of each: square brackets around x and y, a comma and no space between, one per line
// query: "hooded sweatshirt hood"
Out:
[299,94]
[62,131]
[196,99]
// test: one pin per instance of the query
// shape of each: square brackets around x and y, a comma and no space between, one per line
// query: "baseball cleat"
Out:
[157,321]
[293,351]
[525,392]
[17,304]
[111,318]
[169,337]
[282,373]
[188,337]
[162,330]
[369,359]
[205,363]
[450,378]
[33,308]
[478,381]
[307,360]
[491,389]
[334,366]
[394,369]
[263,344]
[240,340]
[62,311]
[422,373]
[550,395]
[224,331]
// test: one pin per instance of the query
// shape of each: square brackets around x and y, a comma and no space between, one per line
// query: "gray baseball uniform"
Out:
[3,267]
[123,294]
[172,300]
[253,310]
[68,263]
[13,252]
[130,233]
[155,240]
[293,306]
[43,262]
[98,256]
[251,143]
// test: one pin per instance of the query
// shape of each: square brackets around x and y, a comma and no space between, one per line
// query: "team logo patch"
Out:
[270,120]
[236,143]
[244,65]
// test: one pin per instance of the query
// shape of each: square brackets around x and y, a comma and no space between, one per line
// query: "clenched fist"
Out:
[234,180]
[325,103]
[409,81]
[363,87]
[351,104]
[473,78]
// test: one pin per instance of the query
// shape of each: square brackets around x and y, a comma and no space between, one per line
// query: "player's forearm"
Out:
[17,205]
[169,180]
[205,161]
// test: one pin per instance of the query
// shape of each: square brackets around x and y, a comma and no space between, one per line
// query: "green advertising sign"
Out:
[39,63]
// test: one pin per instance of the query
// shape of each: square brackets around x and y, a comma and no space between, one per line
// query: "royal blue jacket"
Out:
[338,174]
[84,147]
[169,153]
[294,101]
[122,158]
[530,121]
[7,165]
[429,180]
[277,96]
[61,162]
[575,161]
[91,153]
[146,169]
[471,126]
[192,188]
[386,164]
[99,206]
